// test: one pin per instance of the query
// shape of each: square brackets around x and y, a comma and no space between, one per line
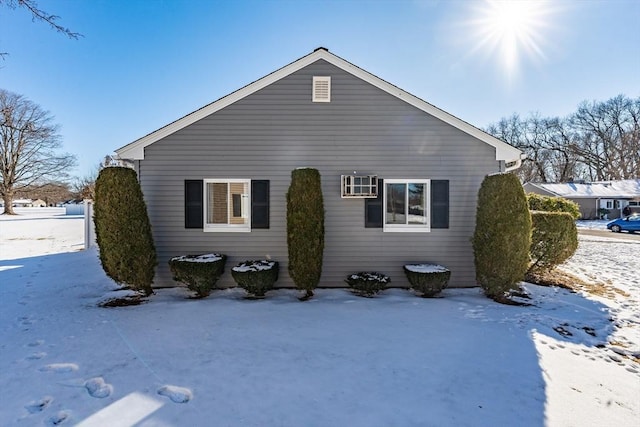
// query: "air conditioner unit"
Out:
[359,186]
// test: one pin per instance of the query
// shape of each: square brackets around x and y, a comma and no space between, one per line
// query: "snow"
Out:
[198,258]
[254,266]
[426,268]
[338,359]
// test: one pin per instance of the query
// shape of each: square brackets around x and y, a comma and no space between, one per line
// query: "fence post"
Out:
[89,231]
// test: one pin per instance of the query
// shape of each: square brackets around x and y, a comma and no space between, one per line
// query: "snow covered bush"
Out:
[256,277]
[305,229]
[367,284]
[198,272]
[538,202]
[123,230]
[427,280]
[553,241]
[502,237]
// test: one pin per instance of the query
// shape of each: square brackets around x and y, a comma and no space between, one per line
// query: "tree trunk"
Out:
[7,197]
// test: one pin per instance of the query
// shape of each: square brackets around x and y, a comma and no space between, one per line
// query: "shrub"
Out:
[123,231]
[538,202]
[305,229]
[367,284]
[502,236]
[198,272]
[427,280]
[554,239]
[256,277]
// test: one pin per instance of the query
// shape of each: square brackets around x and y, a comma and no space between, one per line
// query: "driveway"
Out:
[606,233]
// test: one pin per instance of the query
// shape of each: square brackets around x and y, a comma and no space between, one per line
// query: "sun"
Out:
[512,30]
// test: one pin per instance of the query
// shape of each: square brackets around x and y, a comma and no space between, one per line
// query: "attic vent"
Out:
[321,89]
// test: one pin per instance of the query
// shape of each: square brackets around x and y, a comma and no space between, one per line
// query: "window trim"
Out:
[246,207]
[407,228]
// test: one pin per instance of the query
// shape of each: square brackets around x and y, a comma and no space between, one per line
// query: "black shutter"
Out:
[259,204]
[193,208]
[439,203]
[373,209]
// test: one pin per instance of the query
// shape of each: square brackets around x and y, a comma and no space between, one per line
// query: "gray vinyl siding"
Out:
[277,129]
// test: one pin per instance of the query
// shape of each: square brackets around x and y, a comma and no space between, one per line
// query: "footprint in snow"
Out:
[39,405]
[58,418]
[175,393]
[36,343]
[59,368]
[37,355]
[98,388]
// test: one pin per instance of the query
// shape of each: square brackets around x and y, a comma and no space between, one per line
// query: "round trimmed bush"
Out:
[305,229]
[367,284]
[198,272]
[428,280]
[554,240]
[123,230]
[502,237]
[538,202]
[256,277]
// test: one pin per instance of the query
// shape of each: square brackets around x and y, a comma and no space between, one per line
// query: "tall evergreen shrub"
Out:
[502,237]
[123,231]
[305,229]
[553,241]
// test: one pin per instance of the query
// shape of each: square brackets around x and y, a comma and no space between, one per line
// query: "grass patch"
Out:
[562,279]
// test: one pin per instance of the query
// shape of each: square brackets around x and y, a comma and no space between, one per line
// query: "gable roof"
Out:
[504,151]
[624,189]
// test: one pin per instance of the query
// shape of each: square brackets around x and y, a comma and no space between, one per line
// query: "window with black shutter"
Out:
[439,203]
[193,209]
[259,204]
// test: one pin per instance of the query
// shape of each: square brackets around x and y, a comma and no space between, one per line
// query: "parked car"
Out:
[630,223]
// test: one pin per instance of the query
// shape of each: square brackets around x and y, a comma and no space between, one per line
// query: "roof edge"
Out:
[135,149]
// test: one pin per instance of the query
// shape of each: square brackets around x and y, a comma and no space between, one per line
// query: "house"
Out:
[596,199]
[216,180]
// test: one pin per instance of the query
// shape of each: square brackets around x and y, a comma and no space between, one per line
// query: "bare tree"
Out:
[38,14]
[609,137]
[28,147]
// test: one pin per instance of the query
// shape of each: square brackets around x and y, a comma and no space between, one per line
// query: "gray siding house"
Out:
[400,177]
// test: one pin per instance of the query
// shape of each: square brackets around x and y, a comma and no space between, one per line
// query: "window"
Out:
[632,203]
[321,91]
[226,206]
[406,205]
[608,204]
[359,186]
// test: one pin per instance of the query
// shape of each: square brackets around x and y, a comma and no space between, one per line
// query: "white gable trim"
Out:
[135,150]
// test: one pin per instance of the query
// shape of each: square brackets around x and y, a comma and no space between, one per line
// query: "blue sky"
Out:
[142,64]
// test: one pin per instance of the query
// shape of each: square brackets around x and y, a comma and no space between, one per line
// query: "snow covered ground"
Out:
[396,360]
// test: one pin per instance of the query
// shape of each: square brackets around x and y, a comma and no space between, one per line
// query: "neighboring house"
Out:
[216,179]
[22,203]
[596,199]
[38,203]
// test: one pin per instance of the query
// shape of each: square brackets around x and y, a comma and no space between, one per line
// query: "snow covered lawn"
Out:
[336,360]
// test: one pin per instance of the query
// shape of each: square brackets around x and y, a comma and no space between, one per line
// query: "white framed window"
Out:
[359,186]
[634,203]
[227,205]
[321,91]
[407,205]
[606,204]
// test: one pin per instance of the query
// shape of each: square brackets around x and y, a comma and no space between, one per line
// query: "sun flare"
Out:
[512,29]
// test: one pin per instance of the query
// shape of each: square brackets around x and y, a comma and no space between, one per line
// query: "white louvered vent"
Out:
[321,89]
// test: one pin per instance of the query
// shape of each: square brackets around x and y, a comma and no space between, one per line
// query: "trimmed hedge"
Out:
[367,284]
[305,229]
[427,280]
[123,230]
[539,202]
[502,236]
[554,239]
[198,272]
[256,277]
